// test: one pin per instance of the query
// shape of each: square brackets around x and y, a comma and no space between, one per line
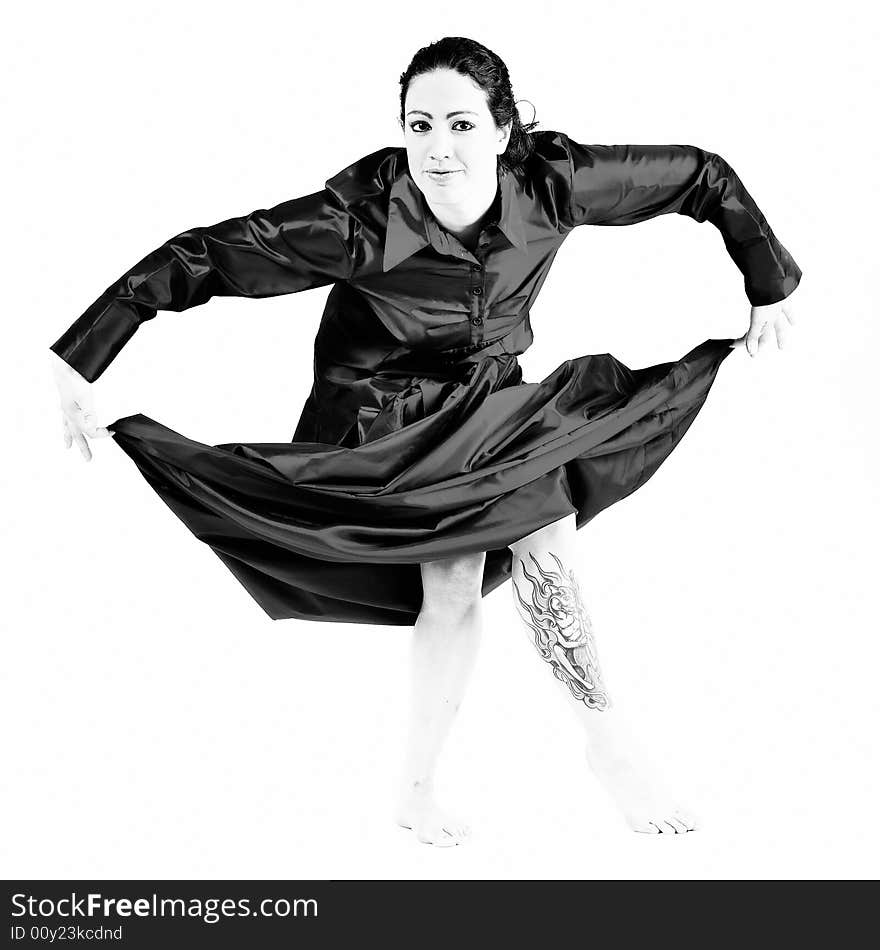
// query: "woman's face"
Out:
[448,126]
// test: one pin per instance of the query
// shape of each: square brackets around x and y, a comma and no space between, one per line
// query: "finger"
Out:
[90,424]
[83,446]
[102,432]
[764,338]
[789,314]
[87,422]
[781,334]
[739,341]
[752,338]
[68,438]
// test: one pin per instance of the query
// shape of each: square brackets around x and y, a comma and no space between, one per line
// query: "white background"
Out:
[157,724]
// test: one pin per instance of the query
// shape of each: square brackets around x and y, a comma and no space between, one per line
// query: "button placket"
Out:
[478,288]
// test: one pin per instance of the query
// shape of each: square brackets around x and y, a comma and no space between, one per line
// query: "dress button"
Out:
[476,266]
[477,291]
[477,321]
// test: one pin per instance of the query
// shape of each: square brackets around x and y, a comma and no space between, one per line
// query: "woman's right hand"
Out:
[77,407]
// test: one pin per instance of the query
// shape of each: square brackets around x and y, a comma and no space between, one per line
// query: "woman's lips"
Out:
[441,175]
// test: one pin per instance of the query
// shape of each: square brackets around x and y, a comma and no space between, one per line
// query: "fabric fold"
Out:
[323,532]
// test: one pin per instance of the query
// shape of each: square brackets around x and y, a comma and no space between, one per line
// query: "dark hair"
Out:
[488,71]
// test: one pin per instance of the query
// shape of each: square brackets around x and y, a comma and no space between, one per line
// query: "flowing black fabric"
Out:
[420,439]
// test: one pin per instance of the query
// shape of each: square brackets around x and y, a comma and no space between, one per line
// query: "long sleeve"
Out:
[625,184]
[300,244]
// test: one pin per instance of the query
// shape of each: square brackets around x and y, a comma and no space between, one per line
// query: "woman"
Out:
[424,471]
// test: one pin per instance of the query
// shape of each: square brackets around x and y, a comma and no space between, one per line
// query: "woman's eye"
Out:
[423,122]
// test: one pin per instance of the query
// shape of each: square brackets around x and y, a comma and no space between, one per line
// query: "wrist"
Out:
[64,370]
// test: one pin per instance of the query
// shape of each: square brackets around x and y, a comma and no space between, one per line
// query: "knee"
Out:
[453,585]
[556,536]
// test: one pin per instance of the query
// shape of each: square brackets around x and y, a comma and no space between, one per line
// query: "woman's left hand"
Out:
[766,321]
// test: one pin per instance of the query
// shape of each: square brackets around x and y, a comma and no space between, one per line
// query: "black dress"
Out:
[419,439]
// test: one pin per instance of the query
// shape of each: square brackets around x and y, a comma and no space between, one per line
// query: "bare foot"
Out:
[430,823]
[633,781]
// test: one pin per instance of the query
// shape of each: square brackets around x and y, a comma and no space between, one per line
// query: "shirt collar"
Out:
[411,226]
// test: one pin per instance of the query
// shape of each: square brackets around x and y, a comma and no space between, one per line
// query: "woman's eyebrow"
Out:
[449,115]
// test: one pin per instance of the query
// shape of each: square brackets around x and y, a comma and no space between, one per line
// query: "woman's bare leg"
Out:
[548,594]
[444,647]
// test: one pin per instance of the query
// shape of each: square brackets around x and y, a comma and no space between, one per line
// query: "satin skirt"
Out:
[447,466]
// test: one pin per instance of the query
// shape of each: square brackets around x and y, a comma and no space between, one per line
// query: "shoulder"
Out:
[547,174]
[550,155]
[561,150]
[550,159]
[550,146]
[367,179]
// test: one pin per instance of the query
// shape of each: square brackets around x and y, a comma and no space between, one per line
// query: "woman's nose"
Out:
[440,148]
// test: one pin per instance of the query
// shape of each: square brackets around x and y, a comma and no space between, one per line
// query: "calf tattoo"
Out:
[563,631]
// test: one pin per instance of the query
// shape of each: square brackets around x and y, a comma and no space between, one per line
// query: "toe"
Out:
[686,818]
[438,837]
